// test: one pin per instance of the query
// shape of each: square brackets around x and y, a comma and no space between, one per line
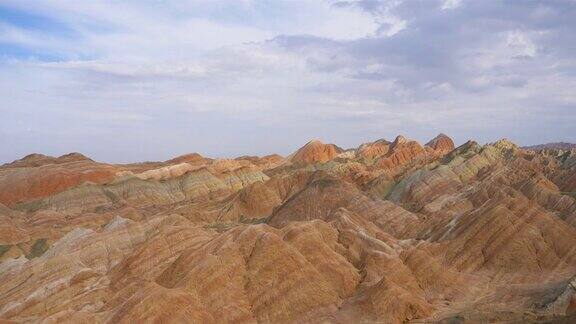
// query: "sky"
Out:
[138,80]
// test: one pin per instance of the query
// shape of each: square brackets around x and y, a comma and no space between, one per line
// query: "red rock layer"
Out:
[40,176]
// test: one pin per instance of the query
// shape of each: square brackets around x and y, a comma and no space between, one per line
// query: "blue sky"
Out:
[147,80]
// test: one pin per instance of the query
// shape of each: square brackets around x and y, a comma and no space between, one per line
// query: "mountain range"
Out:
[391,231]
[552,146]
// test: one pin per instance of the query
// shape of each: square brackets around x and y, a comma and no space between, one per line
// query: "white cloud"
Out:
[520,44]
[340,23]
[189,72]
[450,4]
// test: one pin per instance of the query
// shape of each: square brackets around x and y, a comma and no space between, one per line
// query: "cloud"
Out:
[235,77]
[450,4]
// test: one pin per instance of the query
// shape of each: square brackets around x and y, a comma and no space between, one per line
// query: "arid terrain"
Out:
[392,231]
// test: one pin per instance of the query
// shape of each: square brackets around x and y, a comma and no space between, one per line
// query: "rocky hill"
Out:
[392,231]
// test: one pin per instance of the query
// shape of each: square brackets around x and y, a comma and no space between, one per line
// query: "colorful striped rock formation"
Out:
[388,232]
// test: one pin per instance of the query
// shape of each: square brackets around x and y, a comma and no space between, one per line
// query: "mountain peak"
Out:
[315,151]
[504,144]
[33,160]
[188,158]
[314,141]
[400,139]
[441,143]
[74,156]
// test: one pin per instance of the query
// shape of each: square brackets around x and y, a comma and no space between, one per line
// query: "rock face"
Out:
[441,144]
[389,232]
[374,149]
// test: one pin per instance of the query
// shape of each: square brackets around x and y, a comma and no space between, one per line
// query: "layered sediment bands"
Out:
[264,163]
[562,170]
[503,239]
[24,180]
[258,200]
[10,232]
[386,301]
[389,232]
[426,185]
[325,195]
[134,191]
[191,158]
[240,267]
[156,304]
[167,172]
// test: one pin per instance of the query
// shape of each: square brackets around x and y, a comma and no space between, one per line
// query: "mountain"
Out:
[315,152]
[391,231]
[552,146]
[441,143]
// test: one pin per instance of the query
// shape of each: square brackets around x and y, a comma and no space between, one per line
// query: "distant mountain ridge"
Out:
[552,146]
